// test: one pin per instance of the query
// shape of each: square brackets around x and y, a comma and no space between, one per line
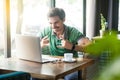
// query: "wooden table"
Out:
[50,71]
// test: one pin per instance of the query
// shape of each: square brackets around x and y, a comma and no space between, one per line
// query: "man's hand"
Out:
[65,43]
[44,41]
[84,42]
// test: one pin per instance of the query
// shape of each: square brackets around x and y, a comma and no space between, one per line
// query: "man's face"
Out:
[56,23]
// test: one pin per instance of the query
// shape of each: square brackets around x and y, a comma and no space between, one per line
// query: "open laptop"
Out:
[28,48]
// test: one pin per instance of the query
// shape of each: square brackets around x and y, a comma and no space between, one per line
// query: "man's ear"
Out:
[64,20]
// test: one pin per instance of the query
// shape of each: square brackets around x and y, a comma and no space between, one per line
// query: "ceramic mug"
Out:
[68,56]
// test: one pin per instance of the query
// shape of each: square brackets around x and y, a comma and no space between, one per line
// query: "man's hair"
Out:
[56,12]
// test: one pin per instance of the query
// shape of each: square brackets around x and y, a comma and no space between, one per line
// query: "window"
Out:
[34,16]
[119,18]
[2,25]
[29,16]
[74,12]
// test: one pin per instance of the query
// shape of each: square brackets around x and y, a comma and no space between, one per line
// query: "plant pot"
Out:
[101,32]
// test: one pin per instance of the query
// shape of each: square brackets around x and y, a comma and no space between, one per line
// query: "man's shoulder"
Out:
[73,31]
[70,28]
[47,29]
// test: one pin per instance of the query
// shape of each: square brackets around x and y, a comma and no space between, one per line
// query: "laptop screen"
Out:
[28,47]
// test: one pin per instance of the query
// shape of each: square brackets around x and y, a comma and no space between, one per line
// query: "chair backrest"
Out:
[18,75]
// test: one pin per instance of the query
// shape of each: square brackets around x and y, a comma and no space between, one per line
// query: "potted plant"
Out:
[110,43]
[103,25]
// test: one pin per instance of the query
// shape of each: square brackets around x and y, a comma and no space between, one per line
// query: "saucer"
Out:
[73,60]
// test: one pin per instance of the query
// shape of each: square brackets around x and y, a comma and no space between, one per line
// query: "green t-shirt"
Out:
[70,33]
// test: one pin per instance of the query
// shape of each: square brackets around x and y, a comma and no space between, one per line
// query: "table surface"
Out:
[50,71]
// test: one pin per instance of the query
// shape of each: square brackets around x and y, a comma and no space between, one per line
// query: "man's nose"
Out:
[53,25]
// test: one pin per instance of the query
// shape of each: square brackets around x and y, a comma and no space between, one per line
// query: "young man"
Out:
[62,38]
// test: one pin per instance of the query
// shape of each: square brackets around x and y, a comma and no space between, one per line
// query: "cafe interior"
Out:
[98,20]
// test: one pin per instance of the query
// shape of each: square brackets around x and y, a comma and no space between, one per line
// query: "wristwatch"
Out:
[73,47]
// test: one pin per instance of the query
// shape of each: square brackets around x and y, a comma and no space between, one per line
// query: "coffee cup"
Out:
[68,56]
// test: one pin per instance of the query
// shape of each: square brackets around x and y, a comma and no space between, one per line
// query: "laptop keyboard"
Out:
[50,59]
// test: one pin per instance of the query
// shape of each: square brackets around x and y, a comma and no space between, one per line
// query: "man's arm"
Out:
[82,43]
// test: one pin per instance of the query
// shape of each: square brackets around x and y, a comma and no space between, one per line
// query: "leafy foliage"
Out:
[109,42]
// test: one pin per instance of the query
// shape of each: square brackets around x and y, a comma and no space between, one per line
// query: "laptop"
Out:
[28,48]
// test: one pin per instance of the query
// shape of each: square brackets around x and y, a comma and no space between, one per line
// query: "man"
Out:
[62,38]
